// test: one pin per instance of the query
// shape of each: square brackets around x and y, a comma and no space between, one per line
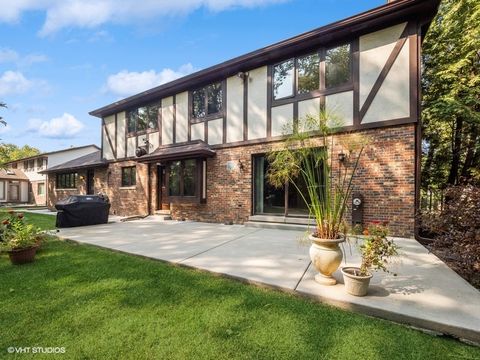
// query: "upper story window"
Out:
[207,101]
[14,165]
[283,79]
[302,75]
[338,66]
[143,118]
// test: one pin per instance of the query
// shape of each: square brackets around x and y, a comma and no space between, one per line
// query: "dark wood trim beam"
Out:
[383,74]
[269,100]
[174,124]
[245,108]
[356,80]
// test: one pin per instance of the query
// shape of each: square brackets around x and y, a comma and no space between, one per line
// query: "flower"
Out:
[5,222]
[20,216]
[11,212]
[365,232]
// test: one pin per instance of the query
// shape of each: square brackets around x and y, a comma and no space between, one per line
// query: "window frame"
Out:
[322,90]
[132,179]
[148,129]
[208,116]
[200,174]
[38,188]
[70,181]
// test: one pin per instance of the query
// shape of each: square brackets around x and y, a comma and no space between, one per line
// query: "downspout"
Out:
[149,185]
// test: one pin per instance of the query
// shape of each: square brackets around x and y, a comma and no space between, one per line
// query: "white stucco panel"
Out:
[121,123]
[24,191]
[282,120]
[181,120]
[197,131]
[154,141]
[234,109]
[339,108]
[375,48]
[131,146]
[393,99]
[167,120]
[257,103]
[108,137]
[215,131]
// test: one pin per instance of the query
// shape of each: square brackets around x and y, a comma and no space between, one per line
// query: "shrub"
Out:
[456,231]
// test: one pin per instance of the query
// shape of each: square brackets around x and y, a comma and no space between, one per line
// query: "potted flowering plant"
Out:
[18,239]
[313,161]
[376,251]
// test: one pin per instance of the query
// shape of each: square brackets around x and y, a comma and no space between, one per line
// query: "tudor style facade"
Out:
[195,146]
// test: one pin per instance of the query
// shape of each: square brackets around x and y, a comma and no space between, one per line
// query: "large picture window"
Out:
[143,118]
[182,178]
[129,176]
[207,101]
[301,76]
[66,181]
[338,66]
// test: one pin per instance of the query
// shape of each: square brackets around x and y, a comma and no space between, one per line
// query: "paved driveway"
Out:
[426,293]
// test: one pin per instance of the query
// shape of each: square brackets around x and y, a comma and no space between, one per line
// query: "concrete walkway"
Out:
[425,293]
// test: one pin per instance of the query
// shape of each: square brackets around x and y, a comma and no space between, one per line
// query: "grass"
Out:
[100,304]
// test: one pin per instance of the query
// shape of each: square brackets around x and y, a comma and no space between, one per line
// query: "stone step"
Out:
[162,212]
[277,225]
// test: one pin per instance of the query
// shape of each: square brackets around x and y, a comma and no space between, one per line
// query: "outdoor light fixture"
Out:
[241,165]
[342,157]
[242,75]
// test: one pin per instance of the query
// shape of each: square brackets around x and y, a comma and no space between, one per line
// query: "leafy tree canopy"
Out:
[10,152]
[451,95]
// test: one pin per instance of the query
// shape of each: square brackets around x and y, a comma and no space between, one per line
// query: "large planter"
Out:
[22,256]
[355,284]
[326,257]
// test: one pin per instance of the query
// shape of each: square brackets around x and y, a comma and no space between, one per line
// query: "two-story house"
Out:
[196,145]
[30,185]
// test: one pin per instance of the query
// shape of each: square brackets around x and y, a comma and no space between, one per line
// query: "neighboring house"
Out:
[13,186]
[32,167]
[196,145]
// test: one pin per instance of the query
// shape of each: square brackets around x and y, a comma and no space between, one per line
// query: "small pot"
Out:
[22,256]
[356,285]
[326,257]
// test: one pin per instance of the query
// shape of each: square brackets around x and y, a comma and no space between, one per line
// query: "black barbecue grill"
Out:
[81,210]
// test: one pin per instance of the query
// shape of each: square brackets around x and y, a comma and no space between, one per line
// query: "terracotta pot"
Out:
[22,256]
[326,257]
[355,284]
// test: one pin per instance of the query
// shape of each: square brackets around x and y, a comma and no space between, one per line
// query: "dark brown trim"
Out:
[101,140]
[356,81]
[270,99]
[159,119]
[418,130]
[205,131]
[224,107]
[245,107]
[314,94]
[383,16]
[295,115]
[414,61]
[116,135]
[149,186]
[189,124]
[174,124]
[383,74]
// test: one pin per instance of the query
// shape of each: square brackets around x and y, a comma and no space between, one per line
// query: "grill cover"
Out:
[81,210]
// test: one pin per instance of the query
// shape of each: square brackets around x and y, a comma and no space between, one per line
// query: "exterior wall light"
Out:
[342,157]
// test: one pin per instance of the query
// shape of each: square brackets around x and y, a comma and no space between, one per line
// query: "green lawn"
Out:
[45,222]
[100,304]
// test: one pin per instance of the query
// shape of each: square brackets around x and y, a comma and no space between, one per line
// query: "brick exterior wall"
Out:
[385,177]
[38,199]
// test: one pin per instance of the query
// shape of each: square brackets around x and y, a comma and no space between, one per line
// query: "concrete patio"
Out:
[425,293]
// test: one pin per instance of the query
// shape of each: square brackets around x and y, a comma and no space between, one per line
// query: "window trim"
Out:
[322,90]
[131,184]
[200,183]
[65,187]
[148,130]
[217,115]
[38,188]
[294,78]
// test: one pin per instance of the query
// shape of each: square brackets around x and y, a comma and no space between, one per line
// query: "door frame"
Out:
[90,182]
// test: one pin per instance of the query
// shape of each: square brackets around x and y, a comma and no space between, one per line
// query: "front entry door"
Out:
[90,182]
[160,184]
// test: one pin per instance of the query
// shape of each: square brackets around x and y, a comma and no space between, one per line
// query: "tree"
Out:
[10,152]
[451,96]
[3,105]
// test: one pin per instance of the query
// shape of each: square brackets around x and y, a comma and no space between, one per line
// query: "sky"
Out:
[61,59]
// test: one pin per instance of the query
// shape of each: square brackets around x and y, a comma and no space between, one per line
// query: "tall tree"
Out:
[3,105]
[451,95]
[10,152]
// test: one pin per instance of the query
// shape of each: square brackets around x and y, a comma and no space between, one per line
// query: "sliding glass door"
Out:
[286,200]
